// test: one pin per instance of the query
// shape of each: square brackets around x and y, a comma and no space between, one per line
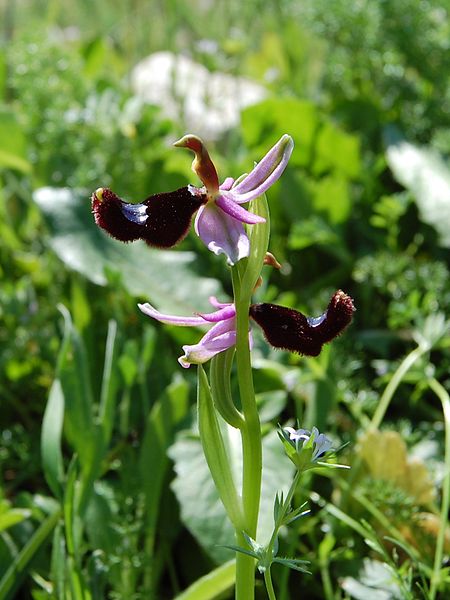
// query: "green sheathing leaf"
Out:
[425,174]
[201,509]
[165,278]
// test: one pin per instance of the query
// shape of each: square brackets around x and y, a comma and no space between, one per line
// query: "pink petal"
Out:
[150,311]
[227,184]
[266,172]
[219,338]
[221,233]
[229,205]
[226,312]
[214,302]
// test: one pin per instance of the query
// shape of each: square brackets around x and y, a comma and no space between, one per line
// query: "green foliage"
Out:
[104,491]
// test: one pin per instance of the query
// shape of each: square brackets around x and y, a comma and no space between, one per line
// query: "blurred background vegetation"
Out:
[363,87]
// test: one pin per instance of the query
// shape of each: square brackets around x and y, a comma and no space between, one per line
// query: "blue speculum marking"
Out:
[137,213]
[315,321]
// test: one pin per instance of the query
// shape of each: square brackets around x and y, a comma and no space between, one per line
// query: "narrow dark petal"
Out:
[289,329]
[337,316]
[162,220]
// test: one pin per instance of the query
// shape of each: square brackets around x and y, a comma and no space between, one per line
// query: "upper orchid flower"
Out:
[163,220]
[283,327]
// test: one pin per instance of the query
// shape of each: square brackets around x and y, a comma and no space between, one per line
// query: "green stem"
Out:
[284,509]
[444,397]
[326,579]
[393,384]
[251,443]
[280,519]
[269,584]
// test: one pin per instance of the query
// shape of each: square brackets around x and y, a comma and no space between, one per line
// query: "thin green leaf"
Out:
[70,505]
[242,550]
[20,565]
[107,395]
[11,516]
[52,460]
[58,562]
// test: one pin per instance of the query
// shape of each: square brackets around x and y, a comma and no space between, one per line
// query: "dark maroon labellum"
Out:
[162,220]
[289,329]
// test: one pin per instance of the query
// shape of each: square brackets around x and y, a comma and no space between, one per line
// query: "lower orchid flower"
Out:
[284,328]
[220,337]
[163,220]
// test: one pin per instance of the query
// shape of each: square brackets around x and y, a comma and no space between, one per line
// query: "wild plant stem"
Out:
[284,509]
[269,584]
[393,384]
[281,515]
[251,446]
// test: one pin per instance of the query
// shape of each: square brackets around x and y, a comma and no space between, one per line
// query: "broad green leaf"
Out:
[427,176]
[101,519]
[12,143]
[201,509]
[165,278]
[312,231]
[212,585]
[52,425]
[336,150]
[331,197]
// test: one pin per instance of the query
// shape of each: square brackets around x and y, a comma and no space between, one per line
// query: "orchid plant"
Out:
[242,235]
